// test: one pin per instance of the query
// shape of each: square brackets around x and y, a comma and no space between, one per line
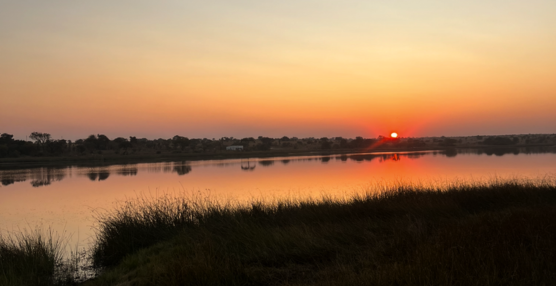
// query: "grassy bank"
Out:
[502,233]
[36,259]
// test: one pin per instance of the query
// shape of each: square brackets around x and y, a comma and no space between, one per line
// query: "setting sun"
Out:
[394,135]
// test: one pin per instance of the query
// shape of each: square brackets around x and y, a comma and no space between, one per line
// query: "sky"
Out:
[209,69]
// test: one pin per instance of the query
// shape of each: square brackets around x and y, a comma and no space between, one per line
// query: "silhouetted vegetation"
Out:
[100,146]
[499,141]
[36,259]
[15,148]
[266,163]
[468,234]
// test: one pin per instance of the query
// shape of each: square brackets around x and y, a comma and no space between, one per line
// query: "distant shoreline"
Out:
[96,159]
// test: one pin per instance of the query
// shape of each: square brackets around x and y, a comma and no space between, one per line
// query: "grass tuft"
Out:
[35,258]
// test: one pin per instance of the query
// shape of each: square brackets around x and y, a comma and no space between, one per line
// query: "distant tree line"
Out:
[42,144]
[500,141]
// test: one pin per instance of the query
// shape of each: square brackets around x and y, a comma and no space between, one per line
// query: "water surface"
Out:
[66,198]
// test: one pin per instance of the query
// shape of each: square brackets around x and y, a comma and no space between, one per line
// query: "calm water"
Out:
[66,198]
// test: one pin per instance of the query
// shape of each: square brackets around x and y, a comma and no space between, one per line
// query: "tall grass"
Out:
[497,233]
[36,258]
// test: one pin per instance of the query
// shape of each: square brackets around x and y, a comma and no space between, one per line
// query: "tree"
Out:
[39,137]
[6,138]
[357,143]
[102,142]
[3,151]
[265,144]
[181,142]
[122,143]
[449,142]
[91,143]
[343,143]
[56,147]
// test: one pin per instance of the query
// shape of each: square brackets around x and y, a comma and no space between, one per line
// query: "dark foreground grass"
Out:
[501,233]
[36,259]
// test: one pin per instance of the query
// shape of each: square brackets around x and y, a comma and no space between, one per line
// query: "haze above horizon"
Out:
[295,68]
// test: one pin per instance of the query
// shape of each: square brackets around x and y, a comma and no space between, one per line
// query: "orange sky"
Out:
[295,68]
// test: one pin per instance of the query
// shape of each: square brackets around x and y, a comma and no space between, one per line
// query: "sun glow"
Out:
[394,135]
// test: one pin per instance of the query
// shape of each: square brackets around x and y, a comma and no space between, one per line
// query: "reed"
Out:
[35,258]
[497,233]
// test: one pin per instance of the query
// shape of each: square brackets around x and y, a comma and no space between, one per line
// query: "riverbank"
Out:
[110,158]
[500,233]
[96,159]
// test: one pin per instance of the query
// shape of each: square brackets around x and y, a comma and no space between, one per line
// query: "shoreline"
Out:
[96,159]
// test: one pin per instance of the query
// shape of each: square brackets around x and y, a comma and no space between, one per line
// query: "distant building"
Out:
[235,148]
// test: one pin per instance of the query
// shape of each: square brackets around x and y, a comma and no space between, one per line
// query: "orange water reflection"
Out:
[66,198]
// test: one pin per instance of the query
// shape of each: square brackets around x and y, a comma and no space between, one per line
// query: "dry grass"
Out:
[497,233]
[36,258]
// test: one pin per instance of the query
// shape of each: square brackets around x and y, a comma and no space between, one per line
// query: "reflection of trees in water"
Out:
[8,178]
[389,157]
[154,168]
[167,168]
[127,171]
[363,157]
[501,151]
[38,176]
[92,176]
[382,157]
[225,164]
[7,181]
[247,165]
[343,158]
[450,153]
[415,155]
[40,183]
[266,163]
[182,169]
[101,174]
[45,176]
